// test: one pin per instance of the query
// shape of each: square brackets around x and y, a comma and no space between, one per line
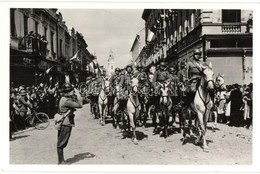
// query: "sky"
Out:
[106,29]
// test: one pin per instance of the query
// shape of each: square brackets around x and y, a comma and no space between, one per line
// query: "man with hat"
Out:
[183,79]
[125,80]
[23,103]
[194,69]
[161,75]
[141,75]
[115,79]
[67,105]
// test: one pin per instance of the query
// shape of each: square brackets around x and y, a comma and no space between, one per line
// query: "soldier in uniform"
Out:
[125,80]
[140,75]
[115,79]
[183,80]
[194,70]
[161,75]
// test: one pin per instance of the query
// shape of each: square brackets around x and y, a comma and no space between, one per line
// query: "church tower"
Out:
[111,64]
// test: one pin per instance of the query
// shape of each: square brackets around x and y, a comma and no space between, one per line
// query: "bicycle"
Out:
[39,120]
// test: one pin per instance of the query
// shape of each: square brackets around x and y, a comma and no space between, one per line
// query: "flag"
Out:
[75,57]
[150,35]
[48,70]
[67,79]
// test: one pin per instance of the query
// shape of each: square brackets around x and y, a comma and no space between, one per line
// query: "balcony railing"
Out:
[231,28]
[34,45]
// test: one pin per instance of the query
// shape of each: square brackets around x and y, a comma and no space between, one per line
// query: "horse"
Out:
[133,107]
[165,105]
[219,100]
[103,100]
[202,103]
[118,111]
[144,100]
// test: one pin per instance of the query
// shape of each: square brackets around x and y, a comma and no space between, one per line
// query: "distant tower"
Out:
[111,64]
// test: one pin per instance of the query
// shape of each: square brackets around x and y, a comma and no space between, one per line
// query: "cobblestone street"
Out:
[91,143]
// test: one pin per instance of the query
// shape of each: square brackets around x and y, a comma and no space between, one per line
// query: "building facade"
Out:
[223,36]
[40,41]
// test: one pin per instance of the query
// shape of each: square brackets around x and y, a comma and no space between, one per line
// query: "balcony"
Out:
[31,45]
[231,28]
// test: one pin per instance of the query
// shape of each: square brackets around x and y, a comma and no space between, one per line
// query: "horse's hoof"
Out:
[205,149]
[135,141]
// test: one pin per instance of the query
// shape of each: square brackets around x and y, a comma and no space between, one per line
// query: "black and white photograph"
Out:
[130,86]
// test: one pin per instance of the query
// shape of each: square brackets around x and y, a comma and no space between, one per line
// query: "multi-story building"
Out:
[223,36]
[40,40]
[137,50]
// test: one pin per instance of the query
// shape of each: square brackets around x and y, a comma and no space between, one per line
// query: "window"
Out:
[230,16]
[25,24]
[60,47]
[36,27]
[52,48]
[45,32]
[12,23]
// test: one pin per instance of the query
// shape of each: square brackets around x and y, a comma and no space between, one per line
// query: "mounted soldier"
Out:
[140,75]
[194,70]
[115,79]
[125,80]
[161,76]
[183,80]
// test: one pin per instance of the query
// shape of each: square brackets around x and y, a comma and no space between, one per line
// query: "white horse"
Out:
[220,91]
[202,104]
[103,100]
[133,107]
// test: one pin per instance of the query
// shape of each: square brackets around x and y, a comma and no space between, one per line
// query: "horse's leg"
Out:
[132,125]
[216,119]
[205,120]
[114,111]
[201,127]
[101,113]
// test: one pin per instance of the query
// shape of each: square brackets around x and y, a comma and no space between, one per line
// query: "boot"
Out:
[60,156]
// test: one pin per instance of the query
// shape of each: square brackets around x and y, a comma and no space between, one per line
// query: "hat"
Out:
[66,87]
[196,51]
[22,92]
[162,64]
[117,69]
[172,69]
[129,66]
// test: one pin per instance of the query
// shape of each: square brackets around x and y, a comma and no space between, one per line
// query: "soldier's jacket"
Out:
[114,80]
[182,75]
[174,81]
[125,81]
[194,69]
[161,76]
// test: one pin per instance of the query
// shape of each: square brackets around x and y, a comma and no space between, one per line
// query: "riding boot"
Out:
[60,156]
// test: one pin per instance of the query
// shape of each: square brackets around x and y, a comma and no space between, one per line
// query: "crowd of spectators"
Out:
[238,106]
[24,99]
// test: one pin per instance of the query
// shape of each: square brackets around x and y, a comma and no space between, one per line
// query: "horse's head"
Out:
[134,84]
[208,77]
[220,82]
[165,90]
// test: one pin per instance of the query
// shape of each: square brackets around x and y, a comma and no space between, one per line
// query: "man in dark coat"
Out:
[236,103]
